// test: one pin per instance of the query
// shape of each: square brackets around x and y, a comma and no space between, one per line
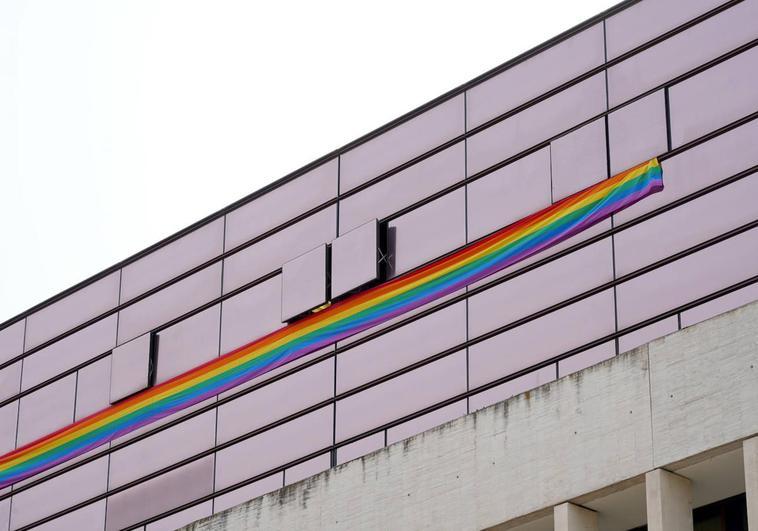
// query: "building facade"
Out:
[675,80]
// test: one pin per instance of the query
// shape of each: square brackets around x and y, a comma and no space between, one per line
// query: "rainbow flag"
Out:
[345,318]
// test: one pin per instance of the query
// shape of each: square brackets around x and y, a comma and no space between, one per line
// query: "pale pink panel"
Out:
[169,303]
[535,290]
[173,259]
[402,143]
[689,278]
[587,358]
[5,513]
[643,21]
[601,228]
[715,97]
[248,492]
[637,132]
[404,188]
[281,204]
[130,368]
[160,494]
[696,168]
[304,283]
[10,380]
[426,422]
[401,318]
[578,159]
[401,347]
[59,493]
[283,368]
[89,518]
[251,314]
[682,52]
[513,387]
[508,194]
[648,333]
[723,304]
[12,340]
[269,254]
[47,409]
[306,469]
[276,400]
[401,396]
[188,344]
[542,339]
[162,449]
[8,421]
[93,388]
[274,447]
[360,448]
[427,232]
[535,76]
[537,123]
[182,518]
[70,351]
[687,225]
[72,310]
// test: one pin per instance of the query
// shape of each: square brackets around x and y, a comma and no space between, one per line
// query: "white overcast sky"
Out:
[122,122]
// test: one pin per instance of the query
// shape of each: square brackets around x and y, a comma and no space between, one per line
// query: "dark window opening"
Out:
[729,514]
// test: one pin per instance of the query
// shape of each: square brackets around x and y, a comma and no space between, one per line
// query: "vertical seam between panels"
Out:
[115,342]
[608,176]
[118,313]
[333,457]
[465,229]
[218,353]
[550,164]
[76,394]
[339,170]
[333,453]
[18,413]
[667,103]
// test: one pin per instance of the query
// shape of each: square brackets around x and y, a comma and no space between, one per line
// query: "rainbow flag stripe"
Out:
[354,314]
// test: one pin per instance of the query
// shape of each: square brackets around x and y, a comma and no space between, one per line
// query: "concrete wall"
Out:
[658,405]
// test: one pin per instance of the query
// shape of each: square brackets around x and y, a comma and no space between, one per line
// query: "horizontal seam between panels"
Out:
[377,381]
[724,57]
[399,121]
[484,387]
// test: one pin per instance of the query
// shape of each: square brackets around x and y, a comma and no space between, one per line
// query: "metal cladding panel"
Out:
[579,159]
[67,353]
[281,204]
[535,76]
[130,368]
[683,52]
[715,97]
[427,232]
[179,256]
[188,343]
[46,409]
[508,194]
[12,341]
[400,144]
[637,131]
[304,284]
[72,310]
[355,258]
[646,20]
[404,188]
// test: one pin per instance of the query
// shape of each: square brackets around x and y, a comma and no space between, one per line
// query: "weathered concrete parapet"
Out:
[689,392]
